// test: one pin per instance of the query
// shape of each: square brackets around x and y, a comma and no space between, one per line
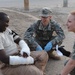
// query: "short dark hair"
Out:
[4,17]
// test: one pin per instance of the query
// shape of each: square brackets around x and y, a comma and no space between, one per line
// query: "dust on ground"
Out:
[20,20]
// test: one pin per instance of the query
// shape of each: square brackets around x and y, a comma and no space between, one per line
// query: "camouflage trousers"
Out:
[42,44]
[37,68]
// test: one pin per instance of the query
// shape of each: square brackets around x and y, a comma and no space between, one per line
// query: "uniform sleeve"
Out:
[60,34]
[30,34]
[73,53]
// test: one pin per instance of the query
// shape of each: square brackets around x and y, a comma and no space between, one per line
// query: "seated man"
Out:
[16,62]
[39,35]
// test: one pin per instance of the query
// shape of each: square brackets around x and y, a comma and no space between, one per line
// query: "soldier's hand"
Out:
[39,48]
[48,46]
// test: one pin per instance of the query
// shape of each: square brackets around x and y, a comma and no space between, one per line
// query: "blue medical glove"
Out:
[48,46]
[39,48]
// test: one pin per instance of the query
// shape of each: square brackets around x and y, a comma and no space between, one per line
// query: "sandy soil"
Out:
[20,20]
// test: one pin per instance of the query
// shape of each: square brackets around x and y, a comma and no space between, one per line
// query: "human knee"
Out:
[44,56]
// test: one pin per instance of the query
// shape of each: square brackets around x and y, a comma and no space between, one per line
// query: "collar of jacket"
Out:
[48,27]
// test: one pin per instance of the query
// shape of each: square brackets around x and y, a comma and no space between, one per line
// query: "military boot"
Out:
[55,57]
[52,55]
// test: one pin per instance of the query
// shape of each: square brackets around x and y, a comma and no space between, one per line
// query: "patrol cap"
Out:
[45,12]
[4,17]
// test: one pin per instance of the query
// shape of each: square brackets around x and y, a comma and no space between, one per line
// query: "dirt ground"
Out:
[20,20]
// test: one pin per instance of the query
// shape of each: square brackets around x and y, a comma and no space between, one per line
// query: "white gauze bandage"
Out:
[58,52]
[24,47]
[17,60]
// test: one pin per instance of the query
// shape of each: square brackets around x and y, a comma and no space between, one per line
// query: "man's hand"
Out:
[48,46]
[25,55]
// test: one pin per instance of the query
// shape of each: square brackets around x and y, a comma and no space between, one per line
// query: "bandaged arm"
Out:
[22,43]
[15,60]
[24,47]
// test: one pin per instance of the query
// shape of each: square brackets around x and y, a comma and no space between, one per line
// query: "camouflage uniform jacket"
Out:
[41,33]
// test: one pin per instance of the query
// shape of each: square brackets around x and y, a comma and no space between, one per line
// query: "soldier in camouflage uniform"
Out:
[40,35]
